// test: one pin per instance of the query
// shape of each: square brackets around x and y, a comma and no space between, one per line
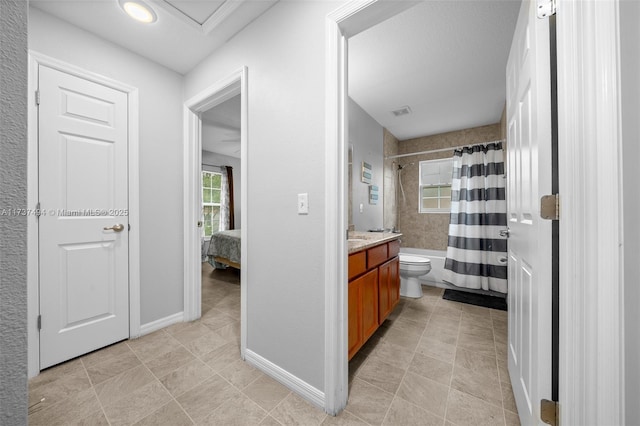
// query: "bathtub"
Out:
[434,277]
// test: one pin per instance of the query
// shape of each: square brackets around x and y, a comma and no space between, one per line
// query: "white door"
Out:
[529,177]
[83,230]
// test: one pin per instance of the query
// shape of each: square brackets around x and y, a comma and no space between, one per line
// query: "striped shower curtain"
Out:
[476,253]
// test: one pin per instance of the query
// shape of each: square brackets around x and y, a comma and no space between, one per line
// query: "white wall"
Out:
[630,80]
[284,51]
[366,136]
[224,160]
[160,95]
[13,229]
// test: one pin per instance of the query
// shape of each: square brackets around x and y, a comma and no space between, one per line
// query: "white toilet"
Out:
[411,267]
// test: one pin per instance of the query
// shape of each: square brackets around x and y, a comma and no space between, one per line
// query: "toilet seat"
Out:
[413,260]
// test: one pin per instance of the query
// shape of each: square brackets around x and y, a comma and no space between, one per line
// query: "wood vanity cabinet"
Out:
[374,290]
[388,287]
[363,309]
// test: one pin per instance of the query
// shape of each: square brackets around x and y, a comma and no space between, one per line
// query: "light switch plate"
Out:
[303,203]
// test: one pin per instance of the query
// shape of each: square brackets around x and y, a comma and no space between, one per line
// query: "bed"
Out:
[224,249]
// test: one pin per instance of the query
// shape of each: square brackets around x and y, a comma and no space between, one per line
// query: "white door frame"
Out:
[225,89]
[33,292]
[591,320]
[591,378]
[346,21]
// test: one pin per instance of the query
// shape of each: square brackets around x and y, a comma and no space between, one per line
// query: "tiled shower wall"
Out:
[423,230]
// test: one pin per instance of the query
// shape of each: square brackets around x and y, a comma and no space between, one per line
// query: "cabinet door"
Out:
[388,287]
[355,317]
[369,303]
[394,282]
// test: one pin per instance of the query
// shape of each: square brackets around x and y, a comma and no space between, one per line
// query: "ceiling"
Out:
[186,32]
[221,128]
[446,60]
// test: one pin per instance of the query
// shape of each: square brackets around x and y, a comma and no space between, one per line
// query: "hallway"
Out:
[432,360]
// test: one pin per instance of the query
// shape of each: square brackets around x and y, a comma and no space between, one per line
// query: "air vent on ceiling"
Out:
[401,111]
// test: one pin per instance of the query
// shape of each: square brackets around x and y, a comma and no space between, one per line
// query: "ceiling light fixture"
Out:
[139,11]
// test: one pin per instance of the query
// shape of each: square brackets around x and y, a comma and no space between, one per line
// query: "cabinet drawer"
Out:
[394,248]
[377,255]
[357,264]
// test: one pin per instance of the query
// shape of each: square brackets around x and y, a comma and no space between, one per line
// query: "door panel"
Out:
[84,286]
[388,288]
[355,317]
[529,177]
[369,303]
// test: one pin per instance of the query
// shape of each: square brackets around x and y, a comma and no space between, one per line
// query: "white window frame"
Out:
[445,182]
[204,204]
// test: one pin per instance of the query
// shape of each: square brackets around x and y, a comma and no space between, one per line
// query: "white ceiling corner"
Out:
[204,15]
[186,32]
[446,60]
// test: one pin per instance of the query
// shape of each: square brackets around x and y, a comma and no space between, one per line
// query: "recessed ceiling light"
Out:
[139,11]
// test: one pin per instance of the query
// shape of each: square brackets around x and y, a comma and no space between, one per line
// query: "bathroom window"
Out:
[435,186]
[211,191]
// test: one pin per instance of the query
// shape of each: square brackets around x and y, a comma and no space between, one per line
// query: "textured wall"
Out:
[630,80]
[13,229]
[430,230]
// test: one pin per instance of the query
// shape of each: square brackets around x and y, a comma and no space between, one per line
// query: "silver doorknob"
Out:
[504,233]
[115,228]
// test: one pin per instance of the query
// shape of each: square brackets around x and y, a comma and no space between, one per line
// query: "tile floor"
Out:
[432,362]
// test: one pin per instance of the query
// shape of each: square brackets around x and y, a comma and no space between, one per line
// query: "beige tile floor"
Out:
[432,362]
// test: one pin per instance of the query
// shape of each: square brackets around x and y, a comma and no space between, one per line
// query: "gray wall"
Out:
[160,166]
[366,136]
[13,229]
[284,51]
[630,80]
[224,160]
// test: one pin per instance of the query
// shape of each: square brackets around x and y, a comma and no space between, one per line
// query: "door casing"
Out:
[35,60]
[234,84]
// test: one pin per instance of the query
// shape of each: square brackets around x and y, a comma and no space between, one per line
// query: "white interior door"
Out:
[529,177]
[83,230]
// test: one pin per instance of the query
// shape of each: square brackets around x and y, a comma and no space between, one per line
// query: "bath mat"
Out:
[493,302]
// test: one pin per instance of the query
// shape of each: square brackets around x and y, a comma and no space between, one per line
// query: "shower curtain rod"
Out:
[432,151]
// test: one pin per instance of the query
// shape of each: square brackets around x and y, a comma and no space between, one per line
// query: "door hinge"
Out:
[550,207]
[549,412]
[129,227]
[38,212]
[37,97]
[545,8]
[39,322]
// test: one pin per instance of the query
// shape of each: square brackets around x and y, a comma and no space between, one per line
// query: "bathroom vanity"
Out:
[374,283]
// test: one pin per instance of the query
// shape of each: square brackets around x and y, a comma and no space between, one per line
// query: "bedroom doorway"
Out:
[215,200]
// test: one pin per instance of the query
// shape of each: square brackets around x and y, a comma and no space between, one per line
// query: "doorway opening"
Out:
[221,242]
[203,115]
[346,27]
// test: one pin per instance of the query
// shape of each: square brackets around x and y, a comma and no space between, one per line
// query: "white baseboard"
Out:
[299,386]
[156,325]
